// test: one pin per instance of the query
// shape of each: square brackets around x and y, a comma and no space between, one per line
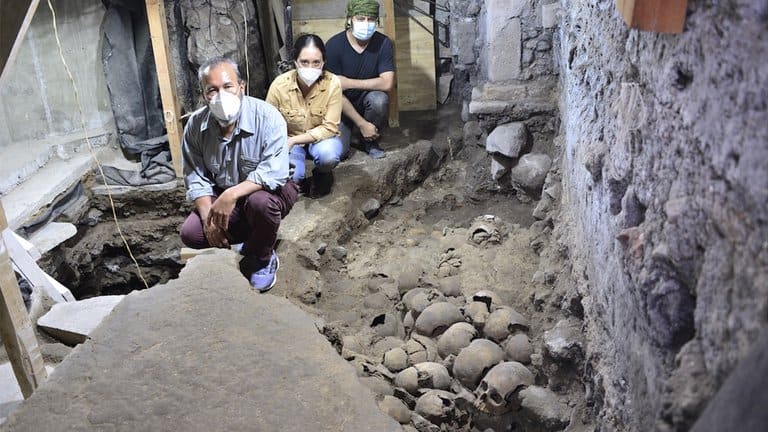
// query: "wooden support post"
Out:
[389,29]
[15,17]
[158,30]
[15,326]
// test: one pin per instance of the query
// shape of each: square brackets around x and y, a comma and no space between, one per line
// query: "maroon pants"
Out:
[253,222]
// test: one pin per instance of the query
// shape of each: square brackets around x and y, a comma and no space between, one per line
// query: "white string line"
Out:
[90,147]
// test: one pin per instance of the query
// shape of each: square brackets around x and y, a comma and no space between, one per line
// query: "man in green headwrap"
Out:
[363,59]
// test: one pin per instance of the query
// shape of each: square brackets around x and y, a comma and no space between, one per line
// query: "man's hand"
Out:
[369,131]
[217,221]
[216,236]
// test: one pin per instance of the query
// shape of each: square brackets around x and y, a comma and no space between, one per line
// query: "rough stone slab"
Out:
[464,36]
[121,190]
[52,235]
[549,17]
[203,352]
[508,139]
[504,43]
[72,322]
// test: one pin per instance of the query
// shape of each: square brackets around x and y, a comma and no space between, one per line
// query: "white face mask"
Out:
[308,74]
[225,106]
[363,30]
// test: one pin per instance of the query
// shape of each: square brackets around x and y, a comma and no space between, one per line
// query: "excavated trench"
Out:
[469,258]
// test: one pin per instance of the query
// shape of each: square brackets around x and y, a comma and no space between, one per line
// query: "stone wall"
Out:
[665,203]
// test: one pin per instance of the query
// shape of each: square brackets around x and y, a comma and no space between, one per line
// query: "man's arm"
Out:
[367,129]
[384,82]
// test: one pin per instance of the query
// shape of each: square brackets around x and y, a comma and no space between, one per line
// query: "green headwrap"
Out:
[363,8]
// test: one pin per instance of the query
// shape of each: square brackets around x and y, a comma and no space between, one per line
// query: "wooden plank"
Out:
[16,327]
[27,267]
[390,30]
[663,16]
[414,55]
[158,30]
[15,18]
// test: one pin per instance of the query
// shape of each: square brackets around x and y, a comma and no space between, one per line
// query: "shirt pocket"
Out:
[247,165]
[317,115]
[214,167]
[295,120]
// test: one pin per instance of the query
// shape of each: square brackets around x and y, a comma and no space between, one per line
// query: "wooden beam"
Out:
[15,18]
[158,30]
[15,326]
[389,29]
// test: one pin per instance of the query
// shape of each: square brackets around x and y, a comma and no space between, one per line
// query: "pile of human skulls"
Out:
[439,359]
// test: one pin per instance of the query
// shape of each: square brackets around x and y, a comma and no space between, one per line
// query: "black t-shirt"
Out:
[342,59]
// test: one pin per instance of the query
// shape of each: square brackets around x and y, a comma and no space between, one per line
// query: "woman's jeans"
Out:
[326,154]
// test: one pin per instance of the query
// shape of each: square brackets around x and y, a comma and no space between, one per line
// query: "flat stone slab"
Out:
[101,189]
[201,353]
[72,322]
[52,235]
[10,393]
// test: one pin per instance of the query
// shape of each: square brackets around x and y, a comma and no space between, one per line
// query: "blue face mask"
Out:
[363,30]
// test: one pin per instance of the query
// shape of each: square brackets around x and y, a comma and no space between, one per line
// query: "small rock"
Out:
[339,252]
[542,407]
[530,172]
[93,217]
[396,409]
[508,139]
[564,341]
[370,208]
[321,248]
[472,133]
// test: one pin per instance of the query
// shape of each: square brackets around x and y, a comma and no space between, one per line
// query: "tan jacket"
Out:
[319,114]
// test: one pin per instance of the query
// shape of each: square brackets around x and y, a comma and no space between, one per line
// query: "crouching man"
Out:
[236,172]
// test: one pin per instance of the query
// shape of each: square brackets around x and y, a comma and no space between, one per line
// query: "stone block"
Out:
[464,36]
[542,407]
[73,322]
[508,139]
[498,168]
[52,235]
[530,172]
[549,14]
[502,46]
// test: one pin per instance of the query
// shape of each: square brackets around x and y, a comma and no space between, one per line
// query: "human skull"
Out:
[395,359]
[477,313]
[427,375]
[488,297]
[455,338]
[498,391]
[418,299]
[437,406]
[420,349]
[518,348]
[388,324]
[436,319]
[475,360]
[485,229]
[502,322]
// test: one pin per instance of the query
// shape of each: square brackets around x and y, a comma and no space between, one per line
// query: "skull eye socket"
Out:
[483,386]
[496,398]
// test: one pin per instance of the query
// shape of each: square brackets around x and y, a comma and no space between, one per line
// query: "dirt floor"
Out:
[454,235]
